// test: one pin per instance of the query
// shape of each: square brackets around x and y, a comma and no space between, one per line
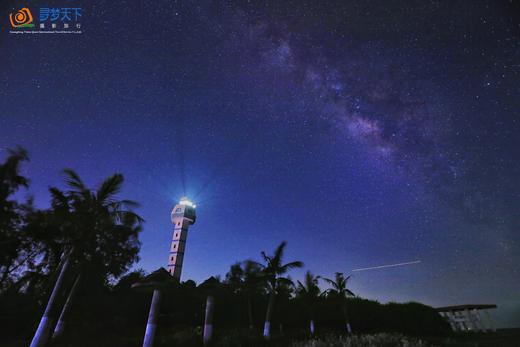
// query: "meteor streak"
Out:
[385,266]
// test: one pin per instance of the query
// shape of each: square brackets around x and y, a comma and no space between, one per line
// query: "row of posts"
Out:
[153,316]
[48,327]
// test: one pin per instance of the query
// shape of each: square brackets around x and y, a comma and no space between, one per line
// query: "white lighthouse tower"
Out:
[183,215]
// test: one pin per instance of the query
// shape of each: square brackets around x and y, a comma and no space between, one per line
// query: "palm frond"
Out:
[278,252]
[292,265]
[58,198]
[267,258]
[127,217]
[10,169]
[311,281]
[329,281]
[18,154]
[73,180]
[129,203]
[109,187]
[250,264]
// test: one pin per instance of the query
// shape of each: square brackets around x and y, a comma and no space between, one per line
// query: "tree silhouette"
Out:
[98,234]
[16,247]
[246,280]
[100,230]
[340,291]
[309,292]
[273,271]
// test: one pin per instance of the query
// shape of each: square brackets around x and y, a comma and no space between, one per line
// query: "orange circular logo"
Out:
[22,18]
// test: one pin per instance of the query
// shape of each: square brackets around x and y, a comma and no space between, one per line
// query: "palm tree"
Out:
[309,292]
[15,250]
[340,291]
[98,234]
[246,279]
[284,293]
[102,230]
[253,285]
[273,270]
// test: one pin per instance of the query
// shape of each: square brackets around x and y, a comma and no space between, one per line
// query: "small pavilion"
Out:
[469,317]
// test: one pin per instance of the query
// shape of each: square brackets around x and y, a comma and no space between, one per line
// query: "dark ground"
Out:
[501,338]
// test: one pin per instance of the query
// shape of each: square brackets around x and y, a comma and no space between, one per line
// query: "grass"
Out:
[502,338]
[373,340]
[192,337]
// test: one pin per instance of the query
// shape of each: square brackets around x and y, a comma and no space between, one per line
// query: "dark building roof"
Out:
[465,307]
[158,279]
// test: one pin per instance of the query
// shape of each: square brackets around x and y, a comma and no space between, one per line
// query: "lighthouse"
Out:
[183,216]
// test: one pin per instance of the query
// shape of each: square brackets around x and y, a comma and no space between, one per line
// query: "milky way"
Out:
[398,102]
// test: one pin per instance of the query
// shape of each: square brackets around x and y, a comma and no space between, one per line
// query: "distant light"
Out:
[186,202]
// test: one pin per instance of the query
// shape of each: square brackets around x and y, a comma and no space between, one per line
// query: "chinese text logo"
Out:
[59,17]
[62,14]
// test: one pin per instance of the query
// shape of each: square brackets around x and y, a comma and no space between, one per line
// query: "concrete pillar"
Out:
[464,321]
[153,316]
[459,321]
[449,318]
[478,320]
[453,320]
[208,321]
[470,320]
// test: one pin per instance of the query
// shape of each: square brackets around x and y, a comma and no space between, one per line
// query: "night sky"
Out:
[364,133]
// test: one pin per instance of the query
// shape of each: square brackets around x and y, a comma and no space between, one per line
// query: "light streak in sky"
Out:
[385,266]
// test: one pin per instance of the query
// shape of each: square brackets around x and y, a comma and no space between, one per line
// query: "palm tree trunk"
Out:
[43,331]
[208,322]
[268,315]
[250,313]
[311,318]
[153,315]
[347,323]
[60,326]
